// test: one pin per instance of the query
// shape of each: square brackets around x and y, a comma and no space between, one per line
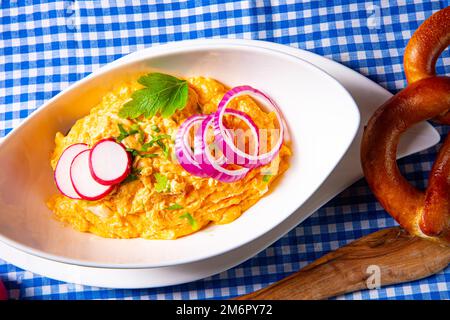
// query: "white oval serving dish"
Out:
[322,120]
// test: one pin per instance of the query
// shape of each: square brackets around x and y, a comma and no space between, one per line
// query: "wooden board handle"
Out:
[397,256]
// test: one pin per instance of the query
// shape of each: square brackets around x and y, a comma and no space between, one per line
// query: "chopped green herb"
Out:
[133,152]
[129,178]
[148,155]
[160,137]
[164,148]
[267,177]
[156,140]
[162,94]
[162,183]
[145,146]
[190,219]
[124,133]
[137,129]
[175,206]
[131,132]
[155,128]
[132,176]
[122,129]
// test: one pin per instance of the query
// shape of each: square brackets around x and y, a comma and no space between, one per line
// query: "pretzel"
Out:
[424,49]
[422,213]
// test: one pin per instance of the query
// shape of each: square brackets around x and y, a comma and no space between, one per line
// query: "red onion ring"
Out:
[183,151]
[207,162]
[202,163]
[232,156]
[223,139]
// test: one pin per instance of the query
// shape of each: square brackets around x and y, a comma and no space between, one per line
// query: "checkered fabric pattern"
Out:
[47,45]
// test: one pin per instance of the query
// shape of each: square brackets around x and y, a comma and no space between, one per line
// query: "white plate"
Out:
[368,96]
[321,128]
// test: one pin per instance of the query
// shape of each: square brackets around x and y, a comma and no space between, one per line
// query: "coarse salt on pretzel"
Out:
[422,213]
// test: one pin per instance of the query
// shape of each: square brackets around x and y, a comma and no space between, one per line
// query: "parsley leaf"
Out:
[162,93]
[190,219]
[267,177]
[162,183]
[175,206]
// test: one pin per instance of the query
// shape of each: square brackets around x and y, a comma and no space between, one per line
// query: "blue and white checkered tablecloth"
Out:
[47,45]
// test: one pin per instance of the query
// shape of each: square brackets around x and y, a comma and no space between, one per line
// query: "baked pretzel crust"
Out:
[426,45]
[427,96]
[424,49]
[421,213]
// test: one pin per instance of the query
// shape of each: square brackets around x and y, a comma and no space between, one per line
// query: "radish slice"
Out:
[62,170]
[109,162]
[82,180]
